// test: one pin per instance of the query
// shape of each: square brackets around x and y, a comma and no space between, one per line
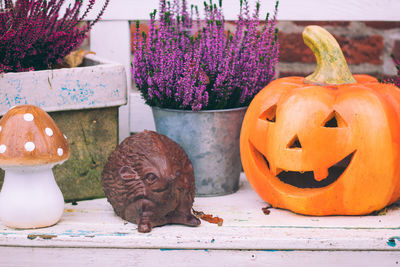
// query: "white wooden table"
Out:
[90,234]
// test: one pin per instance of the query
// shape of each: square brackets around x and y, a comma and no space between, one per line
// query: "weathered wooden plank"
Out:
[39,257]
[92,224]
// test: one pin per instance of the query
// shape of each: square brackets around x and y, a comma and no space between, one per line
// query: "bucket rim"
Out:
[199,111]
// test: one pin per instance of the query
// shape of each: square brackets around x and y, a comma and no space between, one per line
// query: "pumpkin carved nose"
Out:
[294,143]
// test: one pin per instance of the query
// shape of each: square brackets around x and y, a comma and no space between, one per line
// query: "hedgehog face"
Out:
[151,179]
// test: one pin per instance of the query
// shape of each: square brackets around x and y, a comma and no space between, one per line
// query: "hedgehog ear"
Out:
[127,173]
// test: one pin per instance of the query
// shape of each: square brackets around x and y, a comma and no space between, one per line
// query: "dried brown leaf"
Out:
[208,217]
[266,210]
[75,58]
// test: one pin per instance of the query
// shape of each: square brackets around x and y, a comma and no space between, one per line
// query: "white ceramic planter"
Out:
[98,84]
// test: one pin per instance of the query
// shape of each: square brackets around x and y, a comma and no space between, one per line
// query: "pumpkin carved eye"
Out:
[334,120]
[269,114]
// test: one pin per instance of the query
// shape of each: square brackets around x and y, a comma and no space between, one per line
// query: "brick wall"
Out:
[366,45]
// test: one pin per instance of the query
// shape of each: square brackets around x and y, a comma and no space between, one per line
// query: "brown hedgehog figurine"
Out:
[149,181]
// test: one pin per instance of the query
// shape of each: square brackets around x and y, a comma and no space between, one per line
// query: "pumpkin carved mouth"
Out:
[307,180]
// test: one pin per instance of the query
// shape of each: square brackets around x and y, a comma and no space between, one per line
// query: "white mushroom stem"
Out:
[30,197]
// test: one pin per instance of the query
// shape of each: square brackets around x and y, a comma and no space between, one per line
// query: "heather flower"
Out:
[189,63]
[33,36]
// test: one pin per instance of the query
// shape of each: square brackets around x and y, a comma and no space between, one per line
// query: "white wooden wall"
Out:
[110,38]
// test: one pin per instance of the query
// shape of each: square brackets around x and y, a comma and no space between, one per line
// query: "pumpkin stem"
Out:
[332,68]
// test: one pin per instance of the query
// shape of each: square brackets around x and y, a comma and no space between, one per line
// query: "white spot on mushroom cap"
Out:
[28,117]
[1,128]
[29,146]
[60,151]
[49,131]
[3,149]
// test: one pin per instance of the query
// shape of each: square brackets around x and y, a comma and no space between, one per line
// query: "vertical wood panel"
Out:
[111,40]
[141,116]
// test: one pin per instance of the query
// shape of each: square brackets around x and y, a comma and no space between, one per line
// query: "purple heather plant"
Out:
[189,63]
[33,36]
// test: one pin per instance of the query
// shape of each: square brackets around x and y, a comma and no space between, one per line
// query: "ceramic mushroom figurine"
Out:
[149,181]
[30,145]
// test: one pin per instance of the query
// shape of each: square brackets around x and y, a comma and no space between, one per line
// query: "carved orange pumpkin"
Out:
[327,144]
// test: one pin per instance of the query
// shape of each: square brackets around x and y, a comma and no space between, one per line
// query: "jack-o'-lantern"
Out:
[327,144]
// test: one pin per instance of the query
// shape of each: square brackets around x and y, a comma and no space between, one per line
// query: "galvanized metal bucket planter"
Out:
[84,103]
[211,140]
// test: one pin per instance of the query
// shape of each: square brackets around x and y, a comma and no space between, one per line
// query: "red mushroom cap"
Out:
[29,136]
